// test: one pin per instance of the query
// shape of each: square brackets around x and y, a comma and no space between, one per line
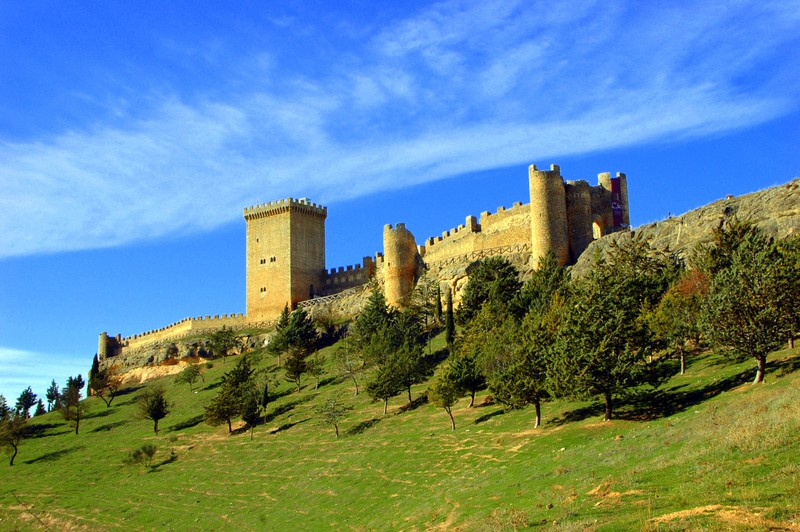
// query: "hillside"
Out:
[705,451]
[775,210]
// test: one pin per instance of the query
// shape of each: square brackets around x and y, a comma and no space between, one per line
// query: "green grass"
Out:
[721,452]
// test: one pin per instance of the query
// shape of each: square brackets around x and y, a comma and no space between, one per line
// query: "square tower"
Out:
[285,255]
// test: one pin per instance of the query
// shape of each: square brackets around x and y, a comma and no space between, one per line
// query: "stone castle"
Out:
[285,239]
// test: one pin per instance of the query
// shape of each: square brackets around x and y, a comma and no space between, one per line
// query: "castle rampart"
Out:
[110,346]
[400,264]
[343,278]
[285,258]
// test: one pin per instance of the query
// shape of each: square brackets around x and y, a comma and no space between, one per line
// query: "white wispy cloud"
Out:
[457,87]
[20,369]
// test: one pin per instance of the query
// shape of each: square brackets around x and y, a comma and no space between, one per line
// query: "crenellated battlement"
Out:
[285,257]
[344,277]
[110,346]
[302,205]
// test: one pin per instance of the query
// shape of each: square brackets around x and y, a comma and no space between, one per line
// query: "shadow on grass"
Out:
[212,385]
[127,391]
[102,413]
[287,426]
[285,408]
[664,403]
[490,415]
[579,414]
[781,368]
[654,404]
[413,405]
[38,430]
[109,426]
[187,423]
[55,455]
[363,426]
[329,380]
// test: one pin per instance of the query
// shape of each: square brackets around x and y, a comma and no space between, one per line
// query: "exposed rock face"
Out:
[775,210]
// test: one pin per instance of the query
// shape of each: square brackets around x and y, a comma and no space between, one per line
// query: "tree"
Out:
[295,365]
[71,406]
[368,330]
[492,279]
[94,372]
[465,373]
[231,400]
[189,375]
[332,411]
[5,411]
[678,317]
[348,363]
[224,341]
[27,399]
[423,299]
[153,405]
[52,396]
[726,239]
[40,408]
[251,407]
[278,343]
[384,385]
[545,282]
[106,384]
[449,324]
[750,309]
[604,344]
[12,430]
[315,366]
[445,391]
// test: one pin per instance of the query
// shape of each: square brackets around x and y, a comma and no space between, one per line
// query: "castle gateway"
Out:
[285,262]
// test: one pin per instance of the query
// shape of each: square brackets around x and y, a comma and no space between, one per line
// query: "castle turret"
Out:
[400,264]
[579,217]
[285,255]
[623,190]
[548,214]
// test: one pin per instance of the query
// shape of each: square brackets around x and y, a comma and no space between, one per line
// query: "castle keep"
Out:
[285,260]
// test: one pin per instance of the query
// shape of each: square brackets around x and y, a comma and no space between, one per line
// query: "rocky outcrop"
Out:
[775,210]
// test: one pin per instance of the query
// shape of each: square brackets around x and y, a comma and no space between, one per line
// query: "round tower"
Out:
[400,264]
[548,214]
[579,217]
[623,189]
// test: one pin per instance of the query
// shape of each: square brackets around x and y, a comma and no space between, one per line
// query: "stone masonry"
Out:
[285,263]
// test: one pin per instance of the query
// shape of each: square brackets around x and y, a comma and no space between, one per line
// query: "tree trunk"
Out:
[608,415]
[683,362]
[355,382]
[11,463]
[452,420]
[472,399]
[77,422]
[251,431]
[385,405]
[538,407]
[336,428]
[791,343]
[155,426]
[409,394]
[230,428]
[761,368]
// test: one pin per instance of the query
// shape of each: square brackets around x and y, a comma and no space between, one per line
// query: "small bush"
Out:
[142,456]
[209,365]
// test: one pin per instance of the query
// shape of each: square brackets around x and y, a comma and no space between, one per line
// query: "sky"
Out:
[132,135]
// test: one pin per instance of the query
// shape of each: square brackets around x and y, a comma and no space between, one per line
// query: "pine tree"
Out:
[153,405]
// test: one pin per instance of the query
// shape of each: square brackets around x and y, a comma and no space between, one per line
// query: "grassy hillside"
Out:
[706,451]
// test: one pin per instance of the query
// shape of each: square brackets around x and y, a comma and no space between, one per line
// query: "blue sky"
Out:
[133,134]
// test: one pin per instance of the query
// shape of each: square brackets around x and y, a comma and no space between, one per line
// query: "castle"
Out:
[285,263]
